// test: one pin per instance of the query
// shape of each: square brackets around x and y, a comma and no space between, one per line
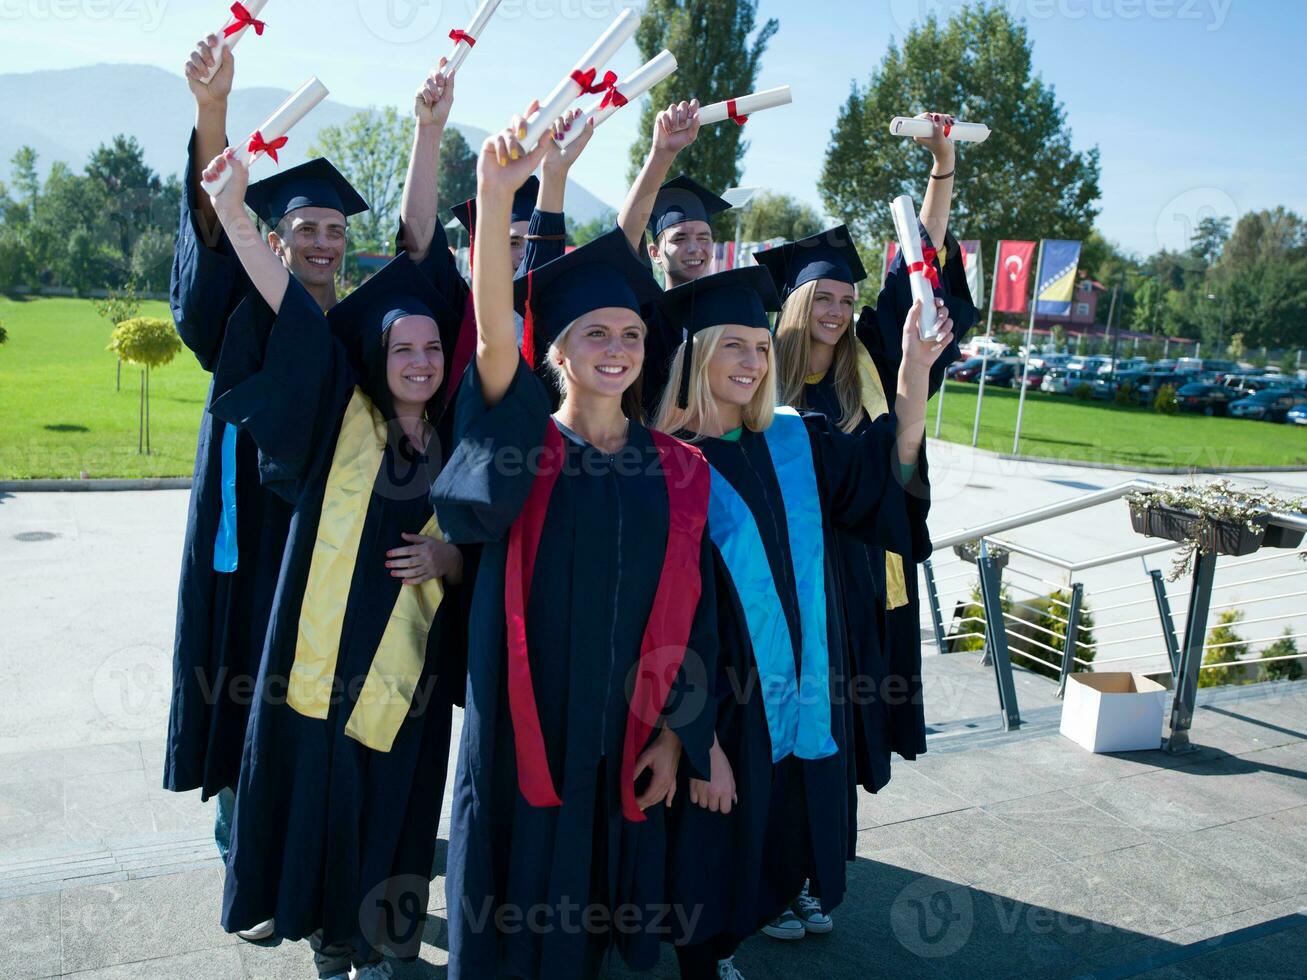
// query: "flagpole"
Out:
[989,339]
[1030,336]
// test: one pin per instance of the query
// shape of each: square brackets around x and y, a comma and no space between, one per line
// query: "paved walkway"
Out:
[993,855]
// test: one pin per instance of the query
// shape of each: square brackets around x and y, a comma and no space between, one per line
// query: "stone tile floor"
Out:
[993,855]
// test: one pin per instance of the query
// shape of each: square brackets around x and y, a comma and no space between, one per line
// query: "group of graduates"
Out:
[661,551]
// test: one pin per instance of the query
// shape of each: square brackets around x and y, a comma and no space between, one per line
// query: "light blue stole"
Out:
[798,709]
[225,553]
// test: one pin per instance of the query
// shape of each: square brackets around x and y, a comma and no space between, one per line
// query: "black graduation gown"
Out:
[792,820]
[221,616]
[329,833]
[597,569]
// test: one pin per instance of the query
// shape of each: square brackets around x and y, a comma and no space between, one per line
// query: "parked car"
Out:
[968,370]
[1062,381]
[1001,373]
[1107,385]
[1151,382]
[1296,415]
[1034,378]
[1271,405]
[1209,399]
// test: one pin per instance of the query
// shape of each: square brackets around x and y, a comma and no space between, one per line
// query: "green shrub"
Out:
[1039,620]
[147,341]
[1165,403]
[1084,391]
[1283,670]
[1125,395]
[1230,648]
[4,334]
[971,635]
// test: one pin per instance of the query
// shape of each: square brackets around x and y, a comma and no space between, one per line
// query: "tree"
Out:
[129,187]
[15,265]
[152,258]
[371,150]
[117,307]
[4,335]
[1058,338]
[1029,184]
[779,216]
[1224,646]
[26,181]
[458,169]
[1283,670]
[1209,238]
[149,342]
[578,233]
[86,264]
[711,42]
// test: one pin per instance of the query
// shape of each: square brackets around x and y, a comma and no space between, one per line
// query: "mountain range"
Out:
[65,114]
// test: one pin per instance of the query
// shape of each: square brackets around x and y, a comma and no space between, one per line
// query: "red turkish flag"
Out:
[1012,277]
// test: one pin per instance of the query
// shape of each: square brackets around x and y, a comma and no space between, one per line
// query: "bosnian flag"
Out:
[1057,280]
[975,270]
[1012,277]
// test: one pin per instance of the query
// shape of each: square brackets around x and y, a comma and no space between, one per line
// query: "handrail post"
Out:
[932,594]
[1191,659]
[1168,621]
[1072,636]
[996,641]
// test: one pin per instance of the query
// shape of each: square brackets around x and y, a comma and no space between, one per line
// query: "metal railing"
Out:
[1040,621]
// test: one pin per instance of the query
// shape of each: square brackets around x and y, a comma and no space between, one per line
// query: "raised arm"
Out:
[558,162]
[675,128]
[210,119]
[419,209]
[502,168]
[261,265]
[939,187]
[914,382]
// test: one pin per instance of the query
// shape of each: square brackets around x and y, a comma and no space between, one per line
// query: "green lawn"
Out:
[1064,428]
[60,415]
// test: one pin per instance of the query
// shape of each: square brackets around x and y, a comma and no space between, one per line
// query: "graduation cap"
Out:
[314,184]
[827,255]
[603,272]
[524,205]
[399,289]
[682,199]
[744,295]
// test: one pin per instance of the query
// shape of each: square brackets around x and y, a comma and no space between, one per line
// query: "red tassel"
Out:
[528,325]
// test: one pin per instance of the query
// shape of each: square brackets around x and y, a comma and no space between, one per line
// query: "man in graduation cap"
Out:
[236,530]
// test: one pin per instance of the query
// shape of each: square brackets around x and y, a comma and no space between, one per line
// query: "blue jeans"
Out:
[226,810]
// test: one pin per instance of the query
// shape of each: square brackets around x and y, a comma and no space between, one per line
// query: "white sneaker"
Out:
[262,931]
[726,970]
[373,971]
[785,926]
[808,911]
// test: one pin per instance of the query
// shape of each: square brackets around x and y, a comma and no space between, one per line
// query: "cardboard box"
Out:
[1113,712]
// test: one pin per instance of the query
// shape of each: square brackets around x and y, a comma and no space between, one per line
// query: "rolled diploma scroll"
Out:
[568,90]
[963,132]
[905,225]
[255,7]
[746,105]
[276,126]
[632,87]
[462,48]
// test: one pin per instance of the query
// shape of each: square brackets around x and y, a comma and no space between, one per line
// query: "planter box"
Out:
[1218,538]
[1000,556]
[1113,712]
[1281,537]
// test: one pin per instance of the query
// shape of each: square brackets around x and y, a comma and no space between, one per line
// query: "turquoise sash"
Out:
[798,709]
[225,553]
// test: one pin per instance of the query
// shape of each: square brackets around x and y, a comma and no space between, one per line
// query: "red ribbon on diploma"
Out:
[257,145]
[613,97]
[586,79]
[243,19]
[732,114]
[927,266]
[948,128]
[458,36]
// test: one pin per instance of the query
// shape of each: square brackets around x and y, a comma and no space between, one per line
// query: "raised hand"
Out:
[940,146]
[230,200]
[504,165]
[676,127]
[200,63]
[919,354]
[435,97]
[558,161]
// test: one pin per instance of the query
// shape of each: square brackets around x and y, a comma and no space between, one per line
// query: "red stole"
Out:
[662,648]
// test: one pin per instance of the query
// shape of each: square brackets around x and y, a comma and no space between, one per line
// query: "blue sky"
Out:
[1194,104]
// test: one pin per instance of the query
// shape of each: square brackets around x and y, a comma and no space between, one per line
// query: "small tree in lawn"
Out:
[119,305]
[1283,670]
[4,334]
[1224,646]
[149,342]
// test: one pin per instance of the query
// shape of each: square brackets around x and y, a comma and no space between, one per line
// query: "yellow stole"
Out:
[387,692]
[874,403]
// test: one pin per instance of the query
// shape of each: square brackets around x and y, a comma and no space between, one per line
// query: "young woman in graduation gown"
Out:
[774,811]
[344,763]
[592,615]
